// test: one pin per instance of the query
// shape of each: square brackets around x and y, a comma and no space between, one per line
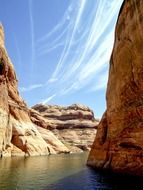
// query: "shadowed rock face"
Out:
[18,135]
[119,142]
[75,125]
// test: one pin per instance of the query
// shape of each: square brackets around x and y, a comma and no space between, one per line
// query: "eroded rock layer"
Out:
[18,135]
[119,142]
[75,125]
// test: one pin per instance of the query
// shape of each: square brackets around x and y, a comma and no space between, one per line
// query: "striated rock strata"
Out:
[18,135]
[119,142]
[75,125]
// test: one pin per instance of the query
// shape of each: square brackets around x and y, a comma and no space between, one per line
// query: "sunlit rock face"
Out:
[18,135]
[1,35]
[75,125]
[119,142]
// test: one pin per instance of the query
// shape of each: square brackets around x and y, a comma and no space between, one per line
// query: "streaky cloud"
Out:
[17,50]
[32,32]
[71,38]
[30,88]
[101,82]
[47,45]
[86,36]
[45,101]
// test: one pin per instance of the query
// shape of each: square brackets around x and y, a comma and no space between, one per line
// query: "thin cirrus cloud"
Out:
[32,87]
[45,101]
[86,36]
[32,32]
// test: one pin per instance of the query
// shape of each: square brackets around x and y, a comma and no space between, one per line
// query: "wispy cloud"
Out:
[71,38]
[101,82]
[45,101]
[32,32]
[17,50]
[51,80]
[86,36]
[30,88]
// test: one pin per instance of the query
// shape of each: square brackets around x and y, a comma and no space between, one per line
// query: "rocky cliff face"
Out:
[119,142]
[75,125]
[18,135]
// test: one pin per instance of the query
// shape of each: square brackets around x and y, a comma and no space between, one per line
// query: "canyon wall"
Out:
[75,125]
[18,135]
[42,130]
[118,145]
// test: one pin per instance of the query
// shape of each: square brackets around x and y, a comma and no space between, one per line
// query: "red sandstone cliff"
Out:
[119,143]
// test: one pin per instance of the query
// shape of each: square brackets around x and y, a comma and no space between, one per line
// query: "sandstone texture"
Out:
[75,125]
[119,142]
[42,130]
[18,135]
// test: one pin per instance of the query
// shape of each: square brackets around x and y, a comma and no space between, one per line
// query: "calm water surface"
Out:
[59,172]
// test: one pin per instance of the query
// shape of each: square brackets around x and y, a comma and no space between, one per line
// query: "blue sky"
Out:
[61,49]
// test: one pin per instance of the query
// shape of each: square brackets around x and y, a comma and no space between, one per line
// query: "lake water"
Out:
[59,172]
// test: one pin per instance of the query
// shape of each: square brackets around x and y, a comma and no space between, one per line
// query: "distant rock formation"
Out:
[119,142]
[18,135]
[75,125]
[49,130]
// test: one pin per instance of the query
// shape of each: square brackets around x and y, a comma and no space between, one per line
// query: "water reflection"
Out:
[38,172]
[89,179]
[59,172]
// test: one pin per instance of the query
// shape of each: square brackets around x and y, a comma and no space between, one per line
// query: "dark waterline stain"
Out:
[60,172]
